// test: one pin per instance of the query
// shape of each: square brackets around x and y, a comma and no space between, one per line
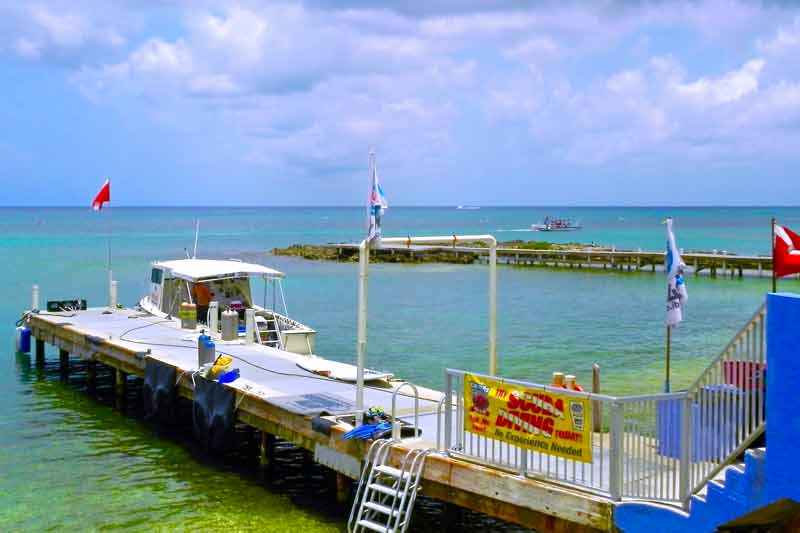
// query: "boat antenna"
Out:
[196,233]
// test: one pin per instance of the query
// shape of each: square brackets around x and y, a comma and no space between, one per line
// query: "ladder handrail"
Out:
[418,457]
[383,503]
[416,407]
[367,472]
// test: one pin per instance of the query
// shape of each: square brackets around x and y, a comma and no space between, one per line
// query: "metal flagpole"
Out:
[108,259]
[669,341]
[774,279]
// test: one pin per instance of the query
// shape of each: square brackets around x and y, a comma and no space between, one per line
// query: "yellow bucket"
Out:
[221,366]
[187,311]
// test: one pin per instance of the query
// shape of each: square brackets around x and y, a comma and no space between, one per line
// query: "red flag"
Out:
[104,195]
[786,252]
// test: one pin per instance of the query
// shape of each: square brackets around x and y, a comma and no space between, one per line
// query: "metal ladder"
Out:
[385,496]
[269,341]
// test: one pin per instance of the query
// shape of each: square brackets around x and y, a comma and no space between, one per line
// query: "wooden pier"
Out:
[712,264]
[271,388]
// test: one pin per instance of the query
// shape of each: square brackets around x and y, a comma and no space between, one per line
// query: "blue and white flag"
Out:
[676,286]
[377,202]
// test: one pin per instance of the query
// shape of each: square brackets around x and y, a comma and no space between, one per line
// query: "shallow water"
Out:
[69,460]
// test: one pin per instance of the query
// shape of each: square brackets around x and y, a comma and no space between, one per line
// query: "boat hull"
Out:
[542,227]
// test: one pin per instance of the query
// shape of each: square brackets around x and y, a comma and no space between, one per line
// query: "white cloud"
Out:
[62,29]
[786,40]
[58,30]
[311,85]
[730,87]
[26,48]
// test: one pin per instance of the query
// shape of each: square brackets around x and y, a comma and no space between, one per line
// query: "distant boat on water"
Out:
[557,224]
[468,207]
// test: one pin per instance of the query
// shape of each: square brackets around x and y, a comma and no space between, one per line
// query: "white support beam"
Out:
[363,277]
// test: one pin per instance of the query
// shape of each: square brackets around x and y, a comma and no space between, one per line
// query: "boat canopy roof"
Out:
[194,270]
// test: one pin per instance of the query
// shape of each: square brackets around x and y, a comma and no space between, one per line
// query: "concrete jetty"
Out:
[698,263]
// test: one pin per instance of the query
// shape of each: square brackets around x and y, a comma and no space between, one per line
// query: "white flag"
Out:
[676,286]
[377,202]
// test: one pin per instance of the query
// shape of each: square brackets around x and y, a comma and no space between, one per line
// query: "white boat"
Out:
[229,281]
[557,224]
[468,207]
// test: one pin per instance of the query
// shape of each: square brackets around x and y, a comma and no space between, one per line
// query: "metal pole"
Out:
[363,278]
[448,411]
[616,471]
[685,455]
[196,233]
[774,279]
[108,242]
[669,342]
[493,308]
[113,296]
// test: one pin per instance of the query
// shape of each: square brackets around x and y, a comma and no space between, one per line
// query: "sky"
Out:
[489,103]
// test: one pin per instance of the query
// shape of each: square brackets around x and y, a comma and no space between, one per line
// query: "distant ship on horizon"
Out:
[468,207]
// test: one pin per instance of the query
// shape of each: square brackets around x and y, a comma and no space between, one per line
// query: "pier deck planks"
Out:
[262,394]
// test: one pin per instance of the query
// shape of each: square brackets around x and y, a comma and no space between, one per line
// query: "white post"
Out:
[35,297]
[685,454]
[363,277]
[196,233]
[493,307]
[616,472]
[213,317]
[250,326]
[112,298]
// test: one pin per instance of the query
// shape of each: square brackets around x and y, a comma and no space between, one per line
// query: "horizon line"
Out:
[405,206]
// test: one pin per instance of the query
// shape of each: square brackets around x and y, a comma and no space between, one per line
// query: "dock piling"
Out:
[120,383]
[63,360]
[597,413]
[91,375]
[39,352]
[451,516]
[35,297]
[344,488]
[266,453]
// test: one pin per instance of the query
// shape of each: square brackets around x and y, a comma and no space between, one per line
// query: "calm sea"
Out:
[71,461]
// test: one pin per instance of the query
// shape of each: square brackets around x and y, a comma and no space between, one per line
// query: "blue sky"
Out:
[505,103]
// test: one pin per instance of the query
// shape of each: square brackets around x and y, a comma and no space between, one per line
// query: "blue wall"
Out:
[783,396]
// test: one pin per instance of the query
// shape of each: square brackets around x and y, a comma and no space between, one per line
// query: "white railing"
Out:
[625,453]
[661,447]
[728,402]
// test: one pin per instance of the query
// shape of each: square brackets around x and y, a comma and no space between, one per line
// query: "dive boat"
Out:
[557,224]
[228,282]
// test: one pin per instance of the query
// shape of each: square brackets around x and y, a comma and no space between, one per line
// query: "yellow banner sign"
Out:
[538,420]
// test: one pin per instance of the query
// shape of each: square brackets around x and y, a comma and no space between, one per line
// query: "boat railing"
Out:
[662,447]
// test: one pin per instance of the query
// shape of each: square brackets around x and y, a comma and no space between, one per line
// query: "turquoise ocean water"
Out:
[70,461]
